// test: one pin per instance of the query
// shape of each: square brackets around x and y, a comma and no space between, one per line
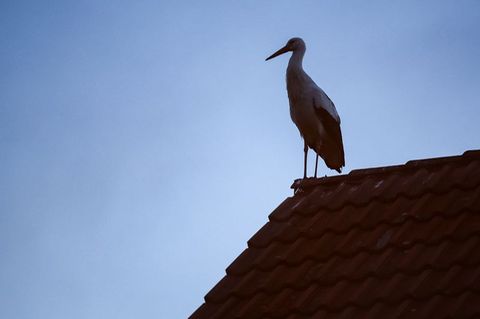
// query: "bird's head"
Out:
[293,44]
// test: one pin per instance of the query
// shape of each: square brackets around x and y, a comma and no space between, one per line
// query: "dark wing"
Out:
[332,148]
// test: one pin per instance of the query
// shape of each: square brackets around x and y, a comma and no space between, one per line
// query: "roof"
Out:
[392,242]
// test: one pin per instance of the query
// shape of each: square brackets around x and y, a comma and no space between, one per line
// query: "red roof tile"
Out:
[390,242]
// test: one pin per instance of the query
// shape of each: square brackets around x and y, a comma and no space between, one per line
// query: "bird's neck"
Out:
[296,60]
[296,77]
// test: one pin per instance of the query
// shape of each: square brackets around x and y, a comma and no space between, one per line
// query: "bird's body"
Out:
[312,111]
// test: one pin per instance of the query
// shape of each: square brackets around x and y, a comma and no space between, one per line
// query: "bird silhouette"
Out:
[312,111]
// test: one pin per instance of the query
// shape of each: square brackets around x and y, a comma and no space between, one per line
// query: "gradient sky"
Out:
[142,143]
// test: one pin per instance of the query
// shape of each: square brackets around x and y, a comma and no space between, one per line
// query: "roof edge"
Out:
[302,184]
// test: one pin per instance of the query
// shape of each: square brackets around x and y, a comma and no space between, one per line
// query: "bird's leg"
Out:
[316,166]
[305,149]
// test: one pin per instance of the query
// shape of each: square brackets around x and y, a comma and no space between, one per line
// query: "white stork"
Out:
[312,111]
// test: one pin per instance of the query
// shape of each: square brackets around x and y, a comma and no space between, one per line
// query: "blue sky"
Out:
[144,142]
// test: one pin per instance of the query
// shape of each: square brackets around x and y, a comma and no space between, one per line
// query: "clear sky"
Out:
[142,143]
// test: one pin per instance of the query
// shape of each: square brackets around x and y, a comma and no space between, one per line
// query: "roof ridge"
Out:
[382,199]
[360,173]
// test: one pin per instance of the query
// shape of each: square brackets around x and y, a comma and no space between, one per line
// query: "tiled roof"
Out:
[392,242]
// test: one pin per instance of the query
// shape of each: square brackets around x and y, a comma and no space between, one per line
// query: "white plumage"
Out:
[312,111]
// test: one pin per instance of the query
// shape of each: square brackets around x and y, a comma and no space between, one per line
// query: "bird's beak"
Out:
[279,52]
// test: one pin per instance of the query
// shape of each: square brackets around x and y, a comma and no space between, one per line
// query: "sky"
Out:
[142,143]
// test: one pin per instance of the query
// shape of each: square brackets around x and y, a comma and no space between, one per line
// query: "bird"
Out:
[312,111]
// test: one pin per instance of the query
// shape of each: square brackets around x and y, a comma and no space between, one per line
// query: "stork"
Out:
[312,111]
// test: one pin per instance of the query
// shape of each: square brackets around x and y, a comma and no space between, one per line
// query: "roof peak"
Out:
[303,184]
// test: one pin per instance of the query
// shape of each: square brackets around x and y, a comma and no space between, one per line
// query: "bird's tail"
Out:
[333,155]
